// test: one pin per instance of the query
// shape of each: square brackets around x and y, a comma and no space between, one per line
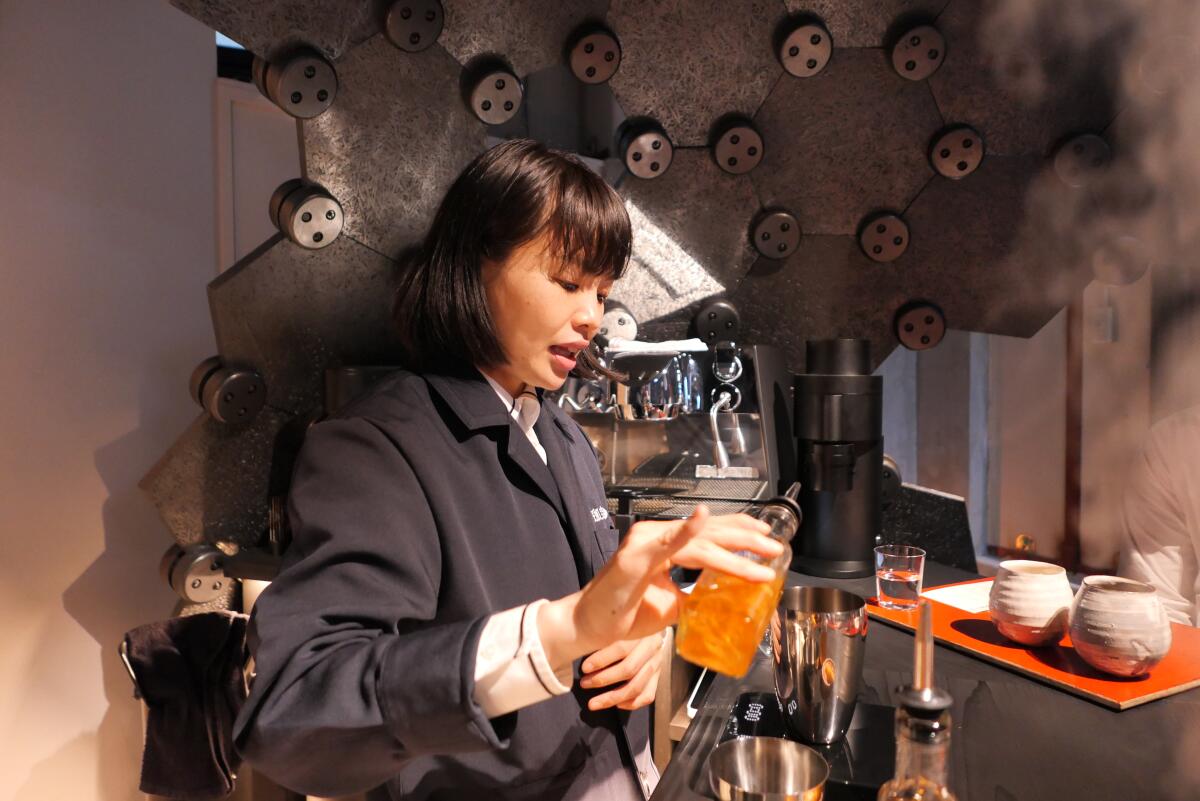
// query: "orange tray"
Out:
[1058,666]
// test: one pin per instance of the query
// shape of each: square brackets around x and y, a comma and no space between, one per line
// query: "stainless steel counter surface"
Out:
[1014,739]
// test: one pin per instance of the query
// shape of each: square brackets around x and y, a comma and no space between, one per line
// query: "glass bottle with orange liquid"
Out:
[723,619]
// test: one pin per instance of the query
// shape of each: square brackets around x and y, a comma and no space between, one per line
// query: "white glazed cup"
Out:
[1030,602]
[1119,625]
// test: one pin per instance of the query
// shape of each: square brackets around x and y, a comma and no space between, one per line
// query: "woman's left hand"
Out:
[634,664]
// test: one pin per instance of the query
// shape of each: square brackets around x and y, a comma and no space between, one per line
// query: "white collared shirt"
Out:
[524,409]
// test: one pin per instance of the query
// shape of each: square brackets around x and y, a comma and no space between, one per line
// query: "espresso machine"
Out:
[839,433]
[711,426]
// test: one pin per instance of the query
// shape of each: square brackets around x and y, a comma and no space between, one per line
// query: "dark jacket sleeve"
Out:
[349,683]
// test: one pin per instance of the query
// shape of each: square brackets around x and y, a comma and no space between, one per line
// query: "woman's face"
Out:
[544,314]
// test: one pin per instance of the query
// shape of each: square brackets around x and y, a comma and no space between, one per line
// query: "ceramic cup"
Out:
[1030,602]
[1119,625]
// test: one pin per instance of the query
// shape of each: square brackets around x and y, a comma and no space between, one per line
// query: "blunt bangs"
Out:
[587,226]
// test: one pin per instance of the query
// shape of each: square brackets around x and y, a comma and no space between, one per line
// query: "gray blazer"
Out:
[417,512]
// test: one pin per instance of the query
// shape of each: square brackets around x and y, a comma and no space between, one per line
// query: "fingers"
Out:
[673,536]
[738,538]
[646,551]
[635,693]
[653,542]
[632,594]
[608,656]
[703,554]
[639,652]
[646,696]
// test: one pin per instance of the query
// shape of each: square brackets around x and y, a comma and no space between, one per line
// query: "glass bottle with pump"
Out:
[922,730]
[723,619]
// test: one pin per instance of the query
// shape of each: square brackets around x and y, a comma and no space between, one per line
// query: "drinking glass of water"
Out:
[898,573]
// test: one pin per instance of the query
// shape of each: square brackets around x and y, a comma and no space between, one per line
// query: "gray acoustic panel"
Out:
[213,482]
[528,34]
[290,313]
[689,235]
[984,248]
[849,141]
[1023,95]
[934,521]
[828,288]
[392,143]
[686,63]
[267,26]
[864,23]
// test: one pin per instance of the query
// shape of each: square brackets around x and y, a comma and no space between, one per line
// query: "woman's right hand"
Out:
[633,595]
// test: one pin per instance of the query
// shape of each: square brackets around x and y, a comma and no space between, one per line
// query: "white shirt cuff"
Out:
[511,670]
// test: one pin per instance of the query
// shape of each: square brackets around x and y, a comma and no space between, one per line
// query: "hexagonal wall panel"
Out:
[846,142]
[687,63]
[829,288]
[393,142]
[529,34]
[689,235]
[994,85]
[291,312]
[985,251]
[213,482]
[864,23]
[267,26]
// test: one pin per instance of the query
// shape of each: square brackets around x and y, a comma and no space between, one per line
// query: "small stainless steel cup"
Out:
[766,769]
[819,637]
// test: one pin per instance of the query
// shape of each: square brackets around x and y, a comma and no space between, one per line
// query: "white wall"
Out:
[106,243]
[1029,385]
[899,372]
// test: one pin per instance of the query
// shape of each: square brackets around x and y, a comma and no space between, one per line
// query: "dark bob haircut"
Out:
[508,196]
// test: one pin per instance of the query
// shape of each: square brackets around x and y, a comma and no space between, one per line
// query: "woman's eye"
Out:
[567,285]
[602,297]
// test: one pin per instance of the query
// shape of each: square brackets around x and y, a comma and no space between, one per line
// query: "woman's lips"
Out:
[563,359]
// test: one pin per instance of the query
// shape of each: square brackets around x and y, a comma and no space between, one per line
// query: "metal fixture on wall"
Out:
[775,233]
[919,52]
[920,325]
[414,25]
[302,82]
[1080,159]
[737,146]
[884,236]
[492,91]
[230,394]
[806,48]
[306,214]
[956,152]
[646,149]
[1120,260]
[196,573]
[595,55]
[718,321]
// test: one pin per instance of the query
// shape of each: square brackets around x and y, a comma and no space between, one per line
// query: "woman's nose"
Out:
[587,319]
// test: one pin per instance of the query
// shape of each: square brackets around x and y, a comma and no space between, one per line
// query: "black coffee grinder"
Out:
[839,433]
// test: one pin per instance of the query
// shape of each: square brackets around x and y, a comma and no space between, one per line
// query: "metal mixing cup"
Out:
[766,769]
[819,639]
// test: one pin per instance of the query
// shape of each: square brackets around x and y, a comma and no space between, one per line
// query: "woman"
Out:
[452,558]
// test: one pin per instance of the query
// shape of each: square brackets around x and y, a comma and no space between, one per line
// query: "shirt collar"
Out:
[525,408]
